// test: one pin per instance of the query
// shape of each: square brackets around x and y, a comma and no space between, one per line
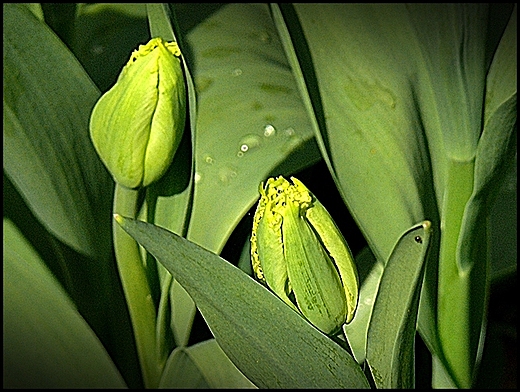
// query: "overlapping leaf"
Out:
[398,113]
[269,342]
[391,334]
[250,118]
[48,154]
[47,344]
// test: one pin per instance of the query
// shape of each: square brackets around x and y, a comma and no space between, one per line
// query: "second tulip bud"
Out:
[298,251]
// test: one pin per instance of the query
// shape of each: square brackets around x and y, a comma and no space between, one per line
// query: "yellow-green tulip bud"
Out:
[137,125]
[298,251]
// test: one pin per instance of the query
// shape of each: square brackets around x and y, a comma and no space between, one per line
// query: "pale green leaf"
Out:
[250,118]
[357,330]
[216,367]
[391,334]
[203,365]
[263,337]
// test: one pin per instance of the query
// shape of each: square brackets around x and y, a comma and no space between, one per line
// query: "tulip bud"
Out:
[298,251]
[137,125]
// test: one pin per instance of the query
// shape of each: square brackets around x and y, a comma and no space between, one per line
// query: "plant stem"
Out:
[461,291]
[136,288]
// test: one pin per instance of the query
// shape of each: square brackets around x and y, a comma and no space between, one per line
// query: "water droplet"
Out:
[269,130]
[203,83]
[248,143]
[197,177]
[227,174]
[237,72]
[288,132]
[209,159]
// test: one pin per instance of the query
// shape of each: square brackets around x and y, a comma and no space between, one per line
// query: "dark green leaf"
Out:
[48,153]
[47,344]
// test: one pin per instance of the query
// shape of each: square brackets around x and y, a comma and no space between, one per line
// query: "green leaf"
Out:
[181,372]
[391,334]
[50,160]
[263,337]
[356,331]
[48,154]
[250,123]
[356,84]
[203,364]
[396,94]
[47,344]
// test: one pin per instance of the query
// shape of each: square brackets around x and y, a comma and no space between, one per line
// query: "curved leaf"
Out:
[250,118]
[48,154]
[205,364]
[269,342]
[47,344]
[181,372]
[356,331]
[391,334]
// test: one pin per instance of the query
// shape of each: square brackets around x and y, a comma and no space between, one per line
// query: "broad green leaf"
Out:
[47,152]
[391,334]
[270,343]
[47,344]
[208,365]
[368,120]
[396,93]
[250,122]
[50,160]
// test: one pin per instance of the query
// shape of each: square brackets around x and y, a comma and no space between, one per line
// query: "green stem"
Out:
[135,286]
[454,291]
[163,321]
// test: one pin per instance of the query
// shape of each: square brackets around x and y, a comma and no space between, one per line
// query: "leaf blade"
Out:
[47,344]
[260,334]
[392,326]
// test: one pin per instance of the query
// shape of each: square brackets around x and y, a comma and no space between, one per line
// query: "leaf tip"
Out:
[118,218]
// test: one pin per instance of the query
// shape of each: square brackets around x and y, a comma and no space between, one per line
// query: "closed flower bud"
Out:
[137,125]
[298,251]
